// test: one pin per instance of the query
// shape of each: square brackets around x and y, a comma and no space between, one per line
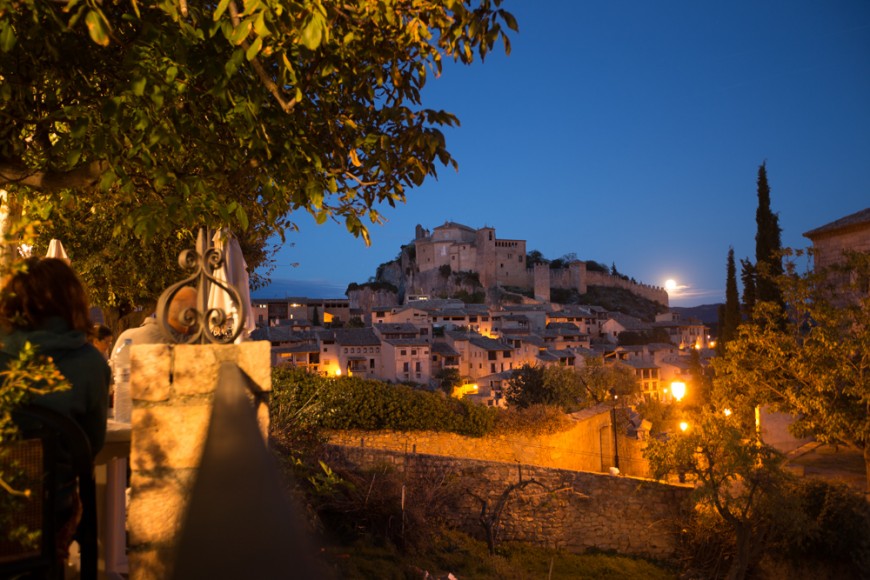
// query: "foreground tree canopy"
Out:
[159,117]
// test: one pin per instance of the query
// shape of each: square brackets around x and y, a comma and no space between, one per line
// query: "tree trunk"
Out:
[743,547]
[10,215]
[867,471]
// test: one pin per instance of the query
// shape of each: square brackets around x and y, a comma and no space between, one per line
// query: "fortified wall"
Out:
[570,510]
[576,277]
[654,293]
[423,265]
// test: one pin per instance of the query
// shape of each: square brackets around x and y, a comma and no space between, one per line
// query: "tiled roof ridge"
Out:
[857,218]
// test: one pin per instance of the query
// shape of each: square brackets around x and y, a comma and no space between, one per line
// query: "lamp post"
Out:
[613,425]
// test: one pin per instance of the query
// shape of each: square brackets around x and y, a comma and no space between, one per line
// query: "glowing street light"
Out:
[684,426]
[678,389]
[727,412]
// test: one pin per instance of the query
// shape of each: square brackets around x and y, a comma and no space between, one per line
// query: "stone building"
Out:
[463,249]
[831,240]
[452,248]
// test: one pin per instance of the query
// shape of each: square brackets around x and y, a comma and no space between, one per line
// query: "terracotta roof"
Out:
[628,322]
[451,225]
[533,339]
[488,343]
[856,219]
[638,364]
[547,356]
[407,341]
[590,412]
[443,349]
[354,337]
[297,348]
[396,327]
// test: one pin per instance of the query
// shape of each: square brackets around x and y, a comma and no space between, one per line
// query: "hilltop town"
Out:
[463,300]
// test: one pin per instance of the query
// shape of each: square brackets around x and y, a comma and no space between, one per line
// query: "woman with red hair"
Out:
[43,303]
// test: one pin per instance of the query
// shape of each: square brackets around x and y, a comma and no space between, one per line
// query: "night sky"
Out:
[630,133]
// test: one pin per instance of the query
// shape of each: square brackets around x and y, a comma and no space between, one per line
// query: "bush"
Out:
[813,529]
[478,297]
[533,420]
[306,400]
[835,529]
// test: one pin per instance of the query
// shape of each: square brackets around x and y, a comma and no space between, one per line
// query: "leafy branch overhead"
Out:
[236,113]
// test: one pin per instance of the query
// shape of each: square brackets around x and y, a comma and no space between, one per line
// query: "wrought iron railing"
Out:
[203,323]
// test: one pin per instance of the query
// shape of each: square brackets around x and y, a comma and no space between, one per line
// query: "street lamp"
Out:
[684,426]
[678,390]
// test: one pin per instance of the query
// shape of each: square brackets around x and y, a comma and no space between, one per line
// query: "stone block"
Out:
[168,437]
[150,564]
[149,372]
[196,367]
[157,506]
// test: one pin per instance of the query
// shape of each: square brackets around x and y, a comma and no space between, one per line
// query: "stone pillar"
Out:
[542,282]
[578,276]
[172,388]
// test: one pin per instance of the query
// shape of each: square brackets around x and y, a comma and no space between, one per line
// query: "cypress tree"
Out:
[747,277]
[731,315]
[768,246]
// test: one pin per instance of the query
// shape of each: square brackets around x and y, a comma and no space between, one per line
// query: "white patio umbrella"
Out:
[235,273]
[55,250]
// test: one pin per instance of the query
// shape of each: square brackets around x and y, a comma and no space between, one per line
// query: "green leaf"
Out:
[221,8]
[260,24]
[7,36]
[242,217]
[312,34]
[509,20]
[139,86]
[240,32]
[97,27]
[79,128]
[254,49]
[73,156]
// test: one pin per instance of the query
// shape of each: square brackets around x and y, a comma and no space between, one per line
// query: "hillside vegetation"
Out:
[613,299]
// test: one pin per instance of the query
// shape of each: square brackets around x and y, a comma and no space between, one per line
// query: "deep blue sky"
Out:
[630,132]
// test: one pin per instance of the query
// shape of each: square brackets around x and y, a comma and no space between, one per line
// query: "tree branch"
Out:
[267,81]
[84,176]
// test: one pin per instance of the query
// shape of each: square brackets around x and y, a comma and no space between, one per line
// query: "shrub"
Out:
[307,400]
[834,531]
[533,420]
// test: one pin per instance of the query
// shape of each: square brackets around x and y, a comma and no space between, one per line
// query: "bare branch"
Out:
[267,81]
[84,176]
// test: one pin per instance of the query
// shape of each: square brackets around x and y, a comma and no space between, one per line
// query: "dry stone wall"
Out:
[570,510]
[587,446]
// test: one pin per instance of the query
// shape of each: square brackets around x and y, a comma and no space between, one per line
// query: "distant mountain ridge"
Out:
[706,313]
[284,288]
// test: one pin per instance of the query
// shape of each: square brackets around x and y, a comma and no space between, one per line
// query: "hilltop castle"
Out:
[456,248]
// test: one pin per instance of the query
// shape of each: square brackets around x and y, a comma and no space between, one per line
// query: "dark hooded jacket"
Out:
[80,363]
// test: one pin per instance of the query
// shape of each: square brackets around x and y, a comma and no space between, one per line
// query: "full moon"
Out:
[670,285]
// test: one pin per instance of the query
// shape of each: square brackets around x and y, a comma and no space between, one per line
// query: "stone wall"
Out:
[654,293]
[587,446]
[172,389]
[569,510]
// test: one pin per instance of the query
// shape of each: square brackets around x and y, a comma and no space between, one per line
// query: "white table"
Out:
[111,477]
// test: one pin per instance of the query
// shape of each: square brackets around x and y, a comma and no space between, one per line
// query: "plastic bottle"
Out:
[121,368]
